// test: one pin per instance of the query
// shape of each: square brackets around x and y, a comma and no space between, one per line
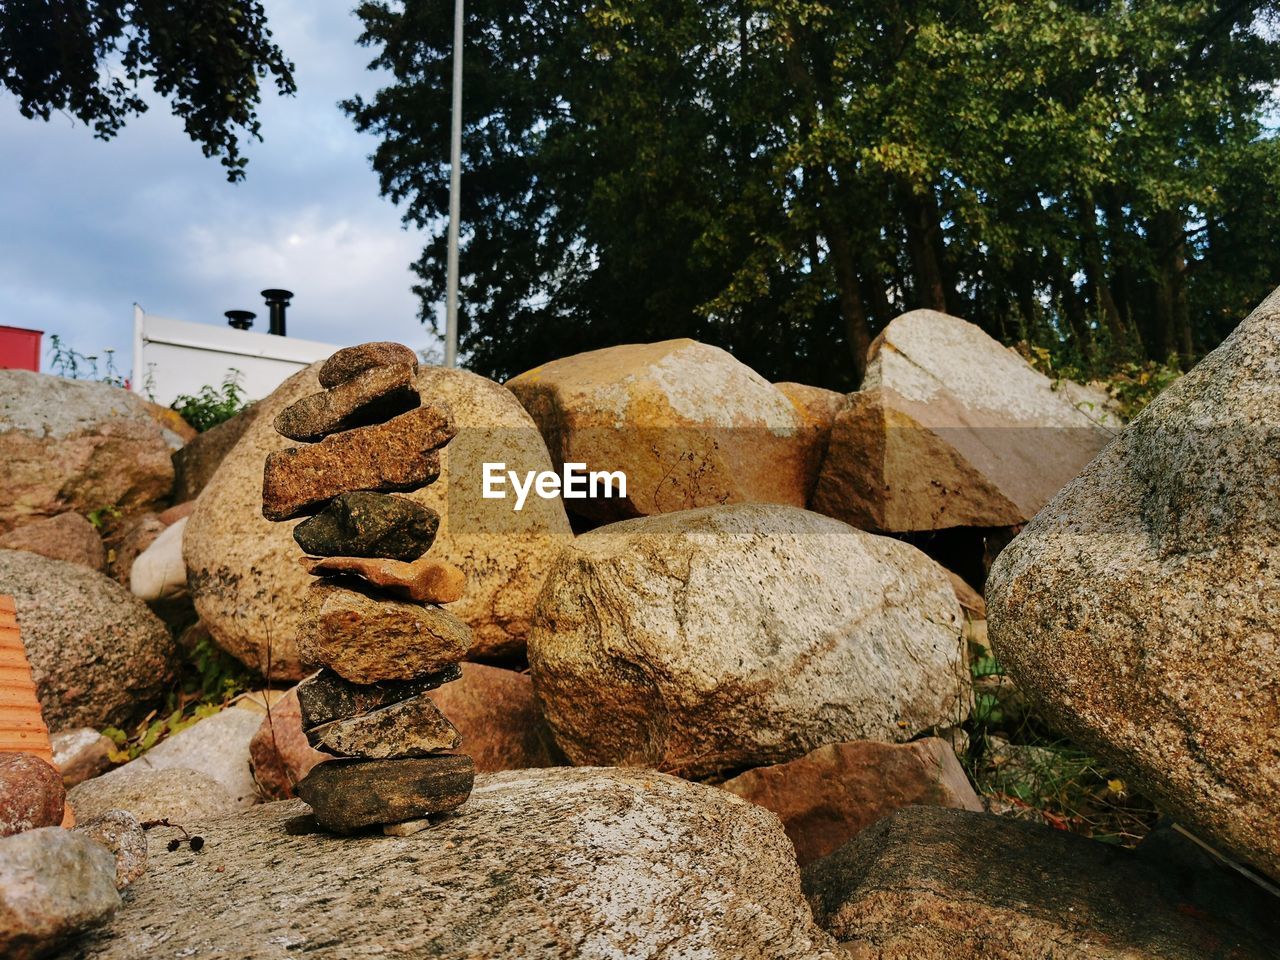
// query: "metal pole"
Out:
[455,178]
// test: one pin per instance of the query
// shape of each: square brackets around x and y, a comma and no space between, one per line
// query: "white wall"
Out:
[172,357]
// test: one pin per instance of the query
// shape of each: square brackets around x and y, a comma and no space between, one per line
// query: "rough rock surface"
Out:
[1139,608]
[121,833]
[932,884]
[950,429]
[350,362]
[366,638]
[736,636]
[326,697]
[348,794]
[80,753]
[68,536]
[130,540]
[244,571]
[53,884]
[217,746]
[375,395]
[688,424]
[829,796]
[397,455]
[159,572]
[410,728]
[196,463]
[96,651]
[31,793]
[76,445]
[818,408]
[499,718]
[178,794]
[363,524]
[279,751]
[541,864]
[424,581]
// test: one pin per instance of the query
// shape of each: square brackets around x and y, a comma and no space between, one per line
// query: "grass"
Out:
[1024,769]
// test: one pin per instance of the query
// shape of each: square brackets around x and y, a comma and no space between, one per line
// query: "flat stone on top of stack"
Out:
[372,618]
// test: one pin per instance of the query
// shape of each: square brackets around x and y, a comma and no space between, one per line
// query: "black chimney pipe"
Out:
[240,319]
[277,300]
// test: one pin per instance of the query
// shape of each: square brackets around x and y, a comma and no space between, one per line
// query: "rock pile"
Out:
[372,618]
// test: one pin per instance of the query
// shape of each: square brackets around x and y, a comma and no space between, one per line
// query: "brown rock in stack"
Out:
[373,620]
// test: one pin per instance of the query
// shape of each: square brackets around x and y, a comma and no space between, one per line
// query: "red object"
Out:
[20,348]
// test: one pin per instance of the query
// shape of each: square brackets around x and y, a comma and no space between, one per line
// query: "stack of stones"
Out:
[373,620]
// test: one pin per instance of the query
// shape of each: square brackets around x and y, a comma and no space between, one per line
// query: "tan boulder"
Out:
[76,445]
[688,424]
[927,883]
[736,636]
[829,796]
[68,536]
[244,572]
[196,463]
[818,408]
[1138,610]
[950,429]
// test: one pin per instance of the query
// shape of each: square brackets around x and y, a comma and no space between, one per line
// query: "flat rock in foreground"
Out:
[935,884]
[539,864]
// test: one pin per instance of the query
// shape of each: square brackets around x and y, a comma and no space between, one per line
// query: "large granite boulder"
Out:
[688,424]
[97,653]
[76,445]
[539,864]
[950,429]
[736,636]
[1139,610]
[928,883]
[243,570]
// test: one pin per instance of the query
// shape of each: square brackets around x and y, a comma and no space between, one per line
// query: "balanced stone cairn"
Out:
[372,618]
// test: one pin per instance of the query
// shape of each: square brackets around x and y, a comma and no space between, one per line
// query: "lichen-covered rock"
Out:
[96,651]
[736,636]
[244,573]
[1139,609]
[76,445]
[68,536]
[545,864]
[829,796]
[950,429]
[688,424]
[928,883]
[31,793]
[54,883]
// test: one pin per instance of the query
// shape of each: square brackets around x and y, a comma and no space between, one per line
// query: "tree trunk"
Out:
[922,247]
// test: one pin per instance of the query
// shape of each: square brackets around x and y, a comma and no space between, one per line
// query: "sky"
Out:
[91,227]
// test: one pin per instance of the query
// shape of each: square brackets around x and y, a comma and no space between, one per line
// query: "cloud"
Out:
[91,227]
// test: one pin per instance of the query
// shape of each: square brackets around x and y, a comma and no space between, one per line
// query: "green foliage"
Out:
[66,361]
[208,680]
[782,177]
[103,516]
[1025,769]
[91,61]
[211,405]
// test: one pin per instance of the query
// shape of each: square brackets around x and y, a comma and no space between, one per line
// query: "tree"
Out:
[782,177]
[90,58]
